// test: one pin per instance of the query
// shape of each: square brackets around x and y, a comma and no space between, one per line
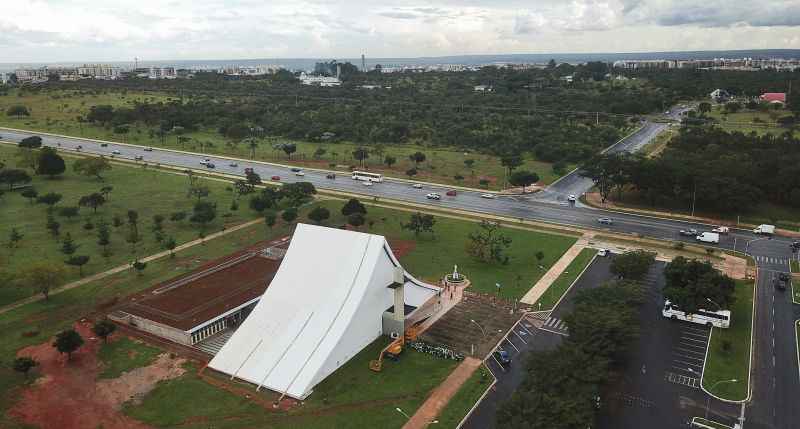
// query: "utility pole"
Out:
[694,197]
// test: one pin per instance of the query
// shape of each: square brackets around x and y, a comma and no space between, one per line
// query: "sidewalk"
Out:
[552,274]
[440,396]
[120,268]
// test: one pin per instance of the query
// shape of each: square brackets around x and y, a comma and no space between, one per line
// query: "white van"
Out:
[708,237]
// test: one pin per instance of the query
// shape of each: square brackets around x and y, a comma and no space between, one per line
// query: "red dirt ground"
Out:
[67,395]
[402,248]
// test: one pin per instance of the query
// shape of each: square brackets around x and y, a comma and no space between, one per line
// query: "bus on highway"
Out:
[720,319]
[370,177]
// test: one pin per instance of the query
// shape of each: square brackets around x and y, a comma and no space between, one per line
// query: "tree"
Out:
[353,206]
[14,237]
[30,194]
[269,219]
[106,191]
[32,142]
[67,342]
[488,242]
[470,163]
[104,237]
[24,364]
[523,178]
[139,266]
[361,154]
[177,216]
[68,246]
[539,255]
[170,244]
[601,169]
[411,172]
[633,265]
[252,178]
[18,110]
[50,163]
[693,285]
[297,193]
[289,149]
[78,261]
[133,220]
[203,213]
[50,199]
[289,215]
[389,161]
[104,328]
[511,162]
[319,215]
[53,226]
[356,220]
[419,222]
[69,212]
[416,158]
[13,176]
[91,167]
[93,200]
[42,277]
[704,108]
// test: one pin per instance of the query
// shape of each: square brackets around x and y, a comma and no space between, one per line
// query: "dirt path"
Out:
[124,267]
[439,398]
[67,395]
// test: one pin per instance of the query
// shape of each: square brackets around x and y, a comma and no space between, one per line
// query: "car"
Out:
[233,164]
[295,170]
[299,174]
[275,178]
[721,230]
[205,161]
[148,149]
[433,196]
[210,165]
[795,245]
[602,252]
[502,357]
[451,193]
[103,144]
[605,221]
[366,183]
[572,198]
[79,147]
[116,152]
[784,277]
[779,284]
[417,185]
[689,232]
[138,158]
[330,176]
[248,170]
[488,196]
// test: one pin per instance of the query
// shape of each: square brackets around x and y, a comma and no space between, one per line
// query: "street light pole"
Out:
[403,413]
[719,307]
[479,326]
[708,400]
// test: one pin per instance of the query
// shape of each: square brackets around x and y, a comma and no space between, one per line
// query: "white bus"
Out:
[369,177]
[720,319]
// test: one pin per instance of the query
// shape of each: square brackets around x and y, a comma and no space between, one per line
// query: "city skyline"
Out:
[78,30]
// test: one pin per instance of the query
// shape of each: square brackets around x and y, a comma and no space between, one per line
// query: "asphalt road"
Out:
[775,251]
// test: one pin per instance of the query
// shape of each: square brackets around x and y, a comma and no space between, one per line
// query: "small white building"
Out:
[483,88]
[162,73]
[719,95]
[335,292]
[319,80]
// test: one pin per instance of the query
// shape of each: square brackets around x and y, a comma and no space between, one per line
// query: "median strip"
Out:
[557,289]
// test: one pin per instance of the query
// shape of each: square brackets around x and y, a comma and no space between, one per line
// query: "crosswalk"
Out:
[772,260]
[555,325]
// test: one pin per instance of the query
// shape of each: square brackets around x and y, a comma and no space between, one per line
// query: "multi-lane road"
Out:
[774,384]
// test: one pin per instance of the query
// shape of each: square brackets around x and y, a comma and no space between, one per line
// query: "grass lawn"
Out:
[795,265]
[734,363]
[148,191]
[123,354]
[747,121]
[434,256]
[553,293]
[352,397]
[465,399]
[43,319]
[55,112]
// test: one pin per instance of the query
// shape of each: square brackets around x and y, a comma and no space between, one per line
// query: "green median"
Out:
[559,287]
[466,397]
[729,351]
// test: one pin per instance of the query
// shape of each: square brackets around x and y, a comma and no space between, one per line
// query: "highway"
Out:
[775,385]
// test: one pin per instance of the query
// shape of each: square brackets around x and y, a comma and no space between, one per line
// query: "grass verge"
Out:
[557,289]
[122,354]
[699,422]
[729,351]
[465,398]
[795,266]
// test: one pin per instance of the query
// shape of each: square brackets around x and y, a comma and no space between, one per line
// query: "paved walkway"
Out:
[120,268]
[552,274]
[440,396]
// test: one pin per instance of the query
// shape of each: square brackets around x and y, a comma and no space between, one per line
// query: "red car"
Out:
[276,178]
[451,193]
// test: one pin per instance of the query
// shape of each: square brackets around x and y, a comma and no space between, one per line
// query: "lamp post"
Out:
[708,400]
[719,307]
[479,326]
[403,413]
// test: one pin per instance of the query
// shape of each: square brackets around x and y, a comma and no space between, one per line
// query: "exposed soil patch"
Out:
[68,396]
[402,248]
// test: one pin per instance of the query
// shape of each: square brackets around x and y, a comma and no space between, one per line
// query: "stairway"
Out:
[212,345]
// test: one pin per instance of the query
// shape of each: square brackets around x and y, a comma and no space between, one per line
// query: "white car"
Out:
[488,196]
[233,164]
[602,252]
[299,174]
[205,161]
[572,198]
[116,152]
[417,186]
[433,196]
[367,183]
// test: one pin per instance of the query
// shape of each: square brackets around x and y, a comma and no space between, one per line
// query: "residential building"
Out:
[99,71]
[719,95]
[162,73]
[773,97]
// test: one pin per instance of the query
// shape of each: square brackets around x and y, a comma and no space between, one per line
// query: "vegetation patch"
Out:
[122,354]
[466,397]
[559,287]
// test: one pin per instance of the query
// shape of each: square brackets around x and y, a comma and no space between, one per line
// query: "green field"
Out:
[465,399]
[748,121]
[147,191]
[434,256]
[122,354]
[733,363]
[55,112]
[352,397]
[559,287]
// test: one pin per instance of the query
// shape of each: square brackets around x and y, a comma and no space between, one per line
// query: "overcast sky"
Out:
[118,30]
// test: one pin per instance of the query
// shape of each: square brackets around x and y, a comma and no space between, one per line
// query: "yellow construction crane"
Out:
[395,347]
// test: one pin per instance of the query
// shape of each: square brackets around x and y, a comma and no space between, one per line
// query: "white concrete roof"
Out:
[323,306]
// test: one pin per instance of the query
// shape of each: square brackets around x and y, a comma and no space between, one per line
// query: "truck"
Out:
[708,237]
[765,229]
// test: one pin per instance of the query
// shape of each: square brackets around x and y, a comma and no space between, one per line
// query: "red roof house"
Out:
[774,97]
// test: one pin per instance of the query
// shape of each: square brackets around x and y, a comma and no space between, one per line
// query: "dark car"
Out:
[248,170]
[451,193]
[210,165]
[605,221]
[502,357]
[296,170]
[103,144]
[784,277]
[779,284]
[330,176]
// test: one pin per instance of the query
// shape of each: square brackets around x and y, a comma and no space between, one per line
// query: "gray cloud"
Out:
[714,13]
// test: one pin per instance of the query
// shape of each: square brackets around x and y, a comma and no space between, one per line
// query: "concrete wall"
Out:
[152,327]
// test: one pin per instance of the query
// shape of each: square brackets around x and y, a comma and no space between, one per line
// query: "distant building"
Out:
[99,71]
[319,80]
[38,75]
[162,73]
[773,97]
[719,95]
[5,78]
[483,88]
